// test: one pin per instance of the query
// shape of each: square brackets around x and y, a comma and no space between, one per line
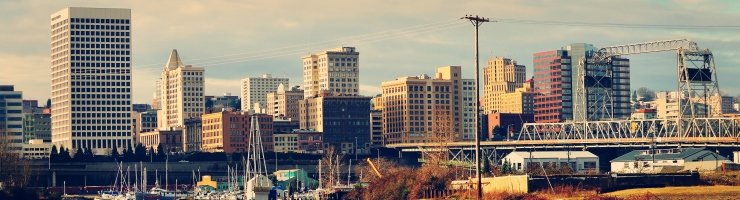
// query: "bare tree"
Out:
[14,170]
[330,166]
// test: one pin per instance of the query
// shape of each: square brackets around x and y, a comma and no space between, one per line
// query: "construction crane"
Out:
[375,169]
[595,92]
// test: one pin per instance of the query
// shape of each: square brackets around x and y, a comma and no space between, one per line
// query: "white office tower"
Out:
[254,91]
[181,93]
[91,78]
[334,71]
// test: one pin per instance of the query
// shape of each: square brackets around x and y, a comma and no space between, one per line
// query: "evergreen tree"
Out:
[89,156]
[486,166]
[128,154]
[114,153]
[64,155]
[506,169]
[48,103]
[160,153]
[140,152]
[79,155]
[54,155]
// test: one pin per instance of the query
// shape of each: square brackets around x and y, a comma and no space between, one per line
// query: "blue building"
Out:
[344,120]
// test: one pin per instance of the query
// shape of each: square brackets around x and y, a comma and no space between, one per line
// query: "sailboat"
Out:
[257,184]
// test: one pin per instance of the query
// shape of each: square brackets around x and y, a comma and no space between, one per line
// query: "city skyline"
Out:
[155,33]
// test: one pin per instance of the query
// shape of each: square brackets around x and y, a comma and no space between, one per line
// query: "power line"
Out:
[617,25]
[406,31]
[302,48]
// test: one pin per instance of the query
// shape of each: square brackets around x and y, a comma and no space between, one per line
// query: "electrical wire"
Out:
[407,31]
[617,25]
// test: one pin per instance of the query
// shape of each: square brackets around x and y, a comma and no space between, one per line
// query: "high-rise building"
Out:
[91,78]
[521,101]
[429,109]
[11,118]
[36,122]
[469,105]
[344,120]
[558,77]
[182,93]
[284,102]
[500,76]
[254,91]
[553,85]
[376,128]
[334,71]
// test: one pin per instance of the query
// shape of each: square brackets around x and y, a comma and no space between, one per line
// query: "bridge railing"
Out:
[632,129]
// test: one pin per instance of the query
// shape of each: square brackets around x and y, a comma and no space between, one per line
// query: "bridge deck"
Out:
[623,142]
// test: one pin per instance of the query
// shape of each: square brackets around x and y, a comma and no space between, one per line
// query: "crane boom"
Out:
[646,47]
[594,98]
[375,169]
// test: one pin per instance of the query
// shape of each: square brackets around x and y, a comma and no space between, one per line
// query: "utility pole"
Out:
[477,21]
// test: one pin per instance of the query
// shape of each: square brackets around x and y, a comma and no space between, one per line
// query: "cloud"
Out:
[208,29]
[29,73]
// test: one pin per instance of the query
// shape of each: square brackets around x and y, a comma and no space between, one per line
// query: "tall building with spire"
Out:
[181,95]
[91,78]
[334,71]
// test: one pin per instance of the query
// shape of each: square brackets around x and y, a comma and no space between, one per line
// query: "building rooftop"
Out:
[689,154]
[553,154]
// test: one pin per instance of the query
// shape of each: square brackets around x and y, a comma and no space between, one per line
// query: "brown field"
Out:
[694,192]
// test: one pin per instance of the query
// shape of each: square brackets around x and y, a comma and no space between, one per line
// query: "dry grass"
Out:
[694,192]
[721,178]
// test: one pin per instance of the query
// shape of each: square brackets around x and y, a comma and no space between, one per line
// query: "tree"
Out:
[79,155]
[140,152]
[128,154]
[89,156]
[64,155]
[499,131]
[48,103]
[152,152]
[506,169]
[160,152]
[114,153]
[634,95]
[54,155]
[486,169]
[646,94]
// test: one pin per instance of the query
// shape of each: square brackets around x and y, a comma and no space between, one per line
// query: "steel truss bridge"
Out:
[594,124]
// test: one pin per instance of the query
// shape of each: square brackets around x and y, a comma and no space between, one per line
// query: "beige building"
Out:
[521,101]
[668,105]
[423,108]
[335,71]
[171,140]
[91,78]
[181,93]
[501,76]
[36,149]
[254,91]
[377,102]
[284,102]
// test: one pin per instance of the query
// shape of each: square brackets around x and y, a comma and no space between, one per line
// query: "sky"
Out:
[238,39]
